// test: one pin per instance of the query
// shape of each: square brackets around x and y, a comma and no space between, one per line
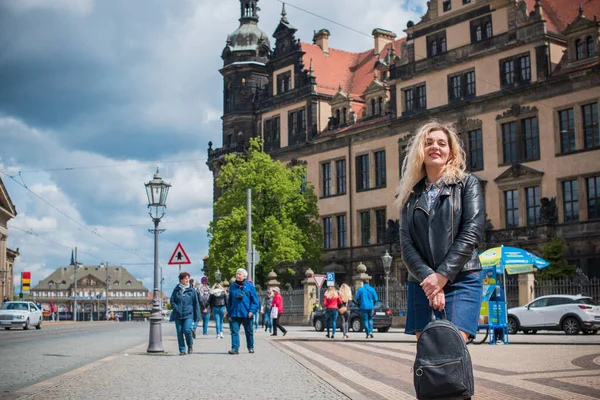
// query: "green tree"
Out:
[285,227]
[554,253]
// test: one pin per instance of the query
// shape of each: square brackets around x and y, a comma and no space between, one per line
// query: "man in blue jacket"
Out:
[366,298]
[242,305]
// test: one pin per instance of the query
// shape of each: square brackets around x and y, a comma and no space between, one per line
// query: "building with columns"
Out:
[93,283]
[8,211]
[519,79]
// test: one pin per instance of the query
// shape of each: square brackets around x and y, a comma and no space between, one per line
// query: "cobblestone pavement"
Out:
[306,365]
[382,370]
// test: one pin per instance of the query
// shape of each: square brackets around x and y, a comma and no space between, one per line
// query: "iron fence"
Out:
[398,294]
[293,302]
[587,287]
[511,290]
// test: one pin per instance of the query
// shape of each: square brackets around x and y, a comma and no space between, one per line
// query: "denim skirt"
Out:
[463,302]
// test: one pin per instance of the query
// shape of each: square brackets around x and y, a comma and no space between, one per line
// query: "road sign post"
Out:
[330,279]
[319,279]
[179,257]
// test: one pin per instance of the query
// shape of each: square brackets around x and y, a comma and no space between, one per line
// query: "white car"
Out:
[20,314]
[558,312]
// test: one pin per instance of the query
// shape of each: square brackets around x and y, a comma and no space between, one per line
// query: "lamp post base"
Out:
[155,340]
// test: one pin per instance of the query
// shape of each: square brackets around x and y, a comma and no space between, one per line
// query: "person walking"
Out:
[366,298]
[203,296]
[186,310]
[242,304]
[440,253]
[346,297]
[217,302]
[331,302]
[266,309]
[195,323]
[277,303]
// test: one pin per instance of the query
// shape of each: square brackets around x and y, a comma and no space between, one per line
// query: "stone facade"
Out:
[519,83]
[7,256]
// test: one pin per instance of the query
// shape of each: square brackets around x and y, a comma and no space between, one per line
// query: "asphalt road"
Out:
[28,357]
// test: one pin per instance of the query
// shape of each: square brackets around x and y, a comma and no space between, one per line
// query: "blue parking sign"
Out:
[330,279]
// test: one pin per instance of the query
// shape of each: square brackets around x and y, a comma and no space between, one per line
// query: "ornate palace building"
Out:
[93,283]
[520,79]
[7,256]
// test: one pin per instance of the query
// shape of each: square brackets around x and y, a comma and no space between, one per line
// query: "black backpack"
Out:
[443,368]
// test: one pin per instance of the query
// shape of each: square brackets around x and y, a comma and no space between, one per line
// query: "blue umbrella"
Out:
[511,259]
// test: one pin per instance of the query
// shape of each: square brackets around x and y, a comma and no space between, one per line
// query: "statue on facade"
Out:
[548,211]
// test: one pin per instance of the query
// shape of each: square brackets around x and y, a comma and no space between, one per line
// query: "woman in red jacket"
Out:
[331,302]
[277,303]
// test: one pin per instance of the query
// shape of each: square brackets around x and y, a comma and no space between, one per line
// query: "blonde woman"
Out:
[331,302]
[346,297]
[217,302]
[442,224]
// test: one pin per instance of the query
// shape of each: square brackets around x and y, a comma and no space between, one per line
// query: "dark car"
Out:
[382,319]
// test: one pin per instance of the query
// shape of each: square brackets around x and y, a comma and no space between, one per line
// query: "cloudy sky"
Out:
[94,95]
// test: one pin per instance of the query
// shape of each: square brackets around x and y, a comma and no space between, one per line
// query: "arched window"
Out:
[443,45]
[337,116]
[373,107]
[478,34]
[50,284]
[590,46]
[488,30]
[344,112]
[128,283]
[434,48]
[578,49]
[380,101]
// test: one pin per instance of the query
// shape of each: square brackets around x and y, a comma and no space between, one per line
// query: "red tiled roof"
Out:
[359,124]
[354,71]
[560,13]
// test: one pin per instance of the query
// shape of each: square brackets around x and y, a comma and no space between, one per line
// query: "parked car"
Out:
[20,314]
[382,319]
[568,313]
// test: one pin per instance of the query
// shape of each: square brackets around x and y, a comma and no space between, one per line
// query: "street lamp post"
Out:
[387,264]
[157,191]
[107,311]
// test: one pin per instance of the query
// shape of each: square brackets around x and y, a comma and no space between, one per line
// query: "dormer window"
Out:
[337,116]
[579,49]
[380,101]
[590,46]
[344,113]
[284,82]
[373,107]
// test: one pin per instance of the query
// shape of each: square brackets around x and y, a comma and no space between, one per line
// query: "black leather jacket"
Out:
[217,300]
[455,229]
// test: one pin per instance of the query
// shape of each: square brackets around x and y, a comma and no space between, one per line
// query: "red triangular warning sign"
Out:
[179,256]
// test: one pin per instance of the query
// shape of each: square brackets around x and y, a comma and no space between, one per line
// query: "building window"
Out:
[409,104]
[511,202]
[341,231]
[326,171]
[590,46]
[380,106]
[272,128]
[415,98]
[481,29]
[344,116]
[570,200]
[533,205]
[567,130]
[340,170]
[509,142]
[461,86]
[296,126]
[362,172]
[520,145]
[380,169]
[421,98]
[365,227]
[532,139]
[475,150]
[593,197]
[515,70]
[590,125]
[327,234]
[447,5]
[578,49]
[284,82]
[436,44]
[380,222]
[466,1]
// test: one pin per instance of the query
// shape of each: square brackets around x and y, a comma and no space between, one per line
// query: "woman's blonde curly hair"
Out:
[413,166]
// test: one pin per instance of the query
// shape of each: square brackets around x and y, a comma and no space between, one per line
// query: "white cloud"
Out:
[81,7]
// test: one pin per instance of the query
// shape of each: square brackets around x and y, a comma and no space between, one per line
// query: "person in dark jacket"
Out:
[186,310]
[442,224]
[203,296]
[218,302]
[242,305]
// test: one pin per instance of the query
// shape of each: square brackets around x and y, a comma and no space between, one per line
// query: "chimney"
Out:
[382,37]
[321,39]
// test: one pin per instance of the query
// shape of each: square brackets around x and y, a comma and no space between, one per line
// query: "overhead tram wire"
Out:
[69,217]
[433,60]
[32,233]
